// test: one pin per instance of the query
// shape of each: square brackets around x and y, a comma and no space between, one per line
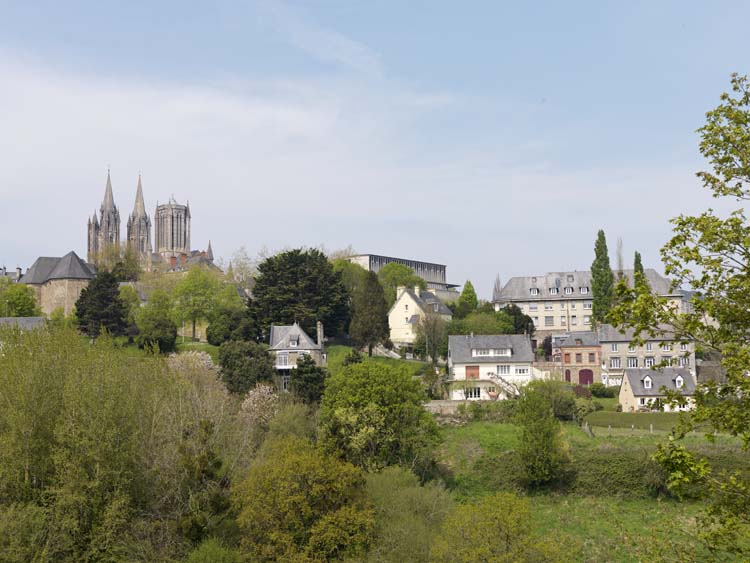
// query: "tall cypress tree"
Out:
[602,280]
[369,325]
[467,302]
[640,281]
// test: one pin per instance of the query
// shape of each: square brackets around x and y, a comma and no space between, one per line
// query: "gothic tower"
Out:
[172,229]
[139,226]
[104,233]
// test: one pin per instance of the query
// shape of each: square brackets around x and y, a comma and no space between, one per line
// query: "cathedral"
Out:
[171,250]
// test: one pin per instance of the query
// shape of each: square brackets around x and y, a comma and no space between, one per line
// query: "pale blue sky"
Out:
[492,137]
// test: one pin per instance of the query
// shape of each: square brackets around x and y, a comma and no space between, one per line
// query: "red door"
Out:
[472,372]
[585,377]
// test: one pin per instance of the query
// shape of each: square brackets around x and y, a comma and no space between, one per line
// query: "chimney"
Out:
[18,272]
[418,291]
[399,292]
[319,326]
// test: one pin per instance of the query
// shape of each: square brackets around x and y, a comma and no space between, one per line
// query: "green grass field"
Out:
[336,354]
[188,346]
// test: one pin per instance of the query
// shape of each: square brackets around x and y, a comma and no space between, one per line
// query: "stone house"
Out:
[580,357]
[58,282]
[410,307]
[489,367]
[643,389]
[288,343]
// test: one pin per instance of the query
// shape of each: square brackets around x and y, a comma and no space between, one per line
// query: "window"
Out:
[572,305]
[579,358]
[534,291]
[293,342]
[503,370]
[491,389]
[568,291]
[614,347]
[532,306]
[684,362]
[549,321]
[587,319]
[548,306]
[649,362]
[563,320]
[435,307]
[536,320]
[285,380]
[553,291]
[666,360]
[666,347]
[592,357]
[282,359]
[567,358]
[684,347]
[647,382]
[642,401]
[573,320]
[649,346]
[678,382]
[562,306]
[481,352]
[631,349]
[406,306]
[472,392]
[503,352]
[615,363]
[584,290]
[522,371]
[587,305]
[632,362]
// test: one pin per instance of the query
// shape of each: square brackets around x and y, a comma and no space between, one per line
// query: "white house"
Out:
[412,305]
[643,389]
[489,367]
[288,343]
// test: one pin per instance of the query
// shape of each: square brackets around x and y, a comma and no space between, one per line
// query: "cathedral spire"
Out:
[210,252]
[109,198]
[139,210]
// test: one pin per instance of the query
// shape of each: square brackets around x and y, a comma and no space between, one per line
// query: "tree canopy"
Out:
[155,324]
[244,364]
[467,302]
[17,300]
[195,295]
[396,275]
[99,306]
[602,280]
[369,324]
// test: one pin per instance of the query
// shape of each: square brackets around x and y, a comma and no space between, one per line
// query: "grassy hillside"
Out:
[337,353]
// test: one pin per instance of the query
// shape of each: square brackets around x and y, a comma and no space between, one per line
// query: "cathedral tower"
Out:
[172,229]
[104,233]
[139,226]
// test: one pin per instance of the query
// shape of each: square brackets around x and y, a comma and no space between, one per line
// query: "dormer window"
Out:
[647,382]
[584,290]
[553,291]
[678,382]
[481,352]
[293,342]
[568,290]
[534,291]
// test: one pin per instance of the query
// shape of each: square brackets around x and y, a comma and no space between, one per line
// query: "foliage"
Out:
[467,302]
[195,295]
[495,529]
[407,515]
[244,364]
[640,281]
[431,336]
[231,319]
[354,357]
[121,261]
[155,324]
[300,286]
[558,394]
[369,323]
[299,504]
[542,450]
[373,416]
[352,275]
[58,319]
[212,551]
[17,300]
[602,391]
[99,307]
[602,281]
[493,411]
[308,380]
[393,276]
[131,302]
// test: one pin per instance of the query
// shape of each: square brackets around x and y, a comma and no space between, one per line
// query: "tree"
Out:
[299,504]
[244,364]
[541,448]
[308,380]
[431,337]
[231,318]
[352,275]
[132,304]
[522,323]
[369,324]
[213,551]
[300,285]
[99,307]
[396,275]
[602,280]
[155,324]
[708,254]
[640,281]
[467,302]
[195,295]
[17,300]
[373,415]
[495,529]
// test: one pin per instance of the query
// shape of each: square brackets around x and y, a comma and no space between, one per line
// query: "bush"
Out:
[559,395]
[485,411]
[581,392]
[601,391]
[155,324]
[244,364]
[212,551]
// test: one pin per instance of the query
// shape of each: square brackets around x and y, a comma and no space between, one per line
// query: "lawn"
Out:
[210,349]
[639,420]
[337,353]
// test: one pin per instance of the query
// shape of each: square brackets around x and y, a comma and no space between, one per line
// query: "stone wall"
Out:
[57,294]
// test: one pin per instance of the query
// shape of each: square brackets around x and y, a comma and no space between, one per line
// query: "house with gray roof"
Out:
[410,307]
[288,343]
[57,282]
[489,367]
[645,389]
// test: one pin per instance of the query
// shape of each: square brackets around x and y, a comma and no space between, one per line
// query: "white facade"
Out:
[406,313]
[493,381]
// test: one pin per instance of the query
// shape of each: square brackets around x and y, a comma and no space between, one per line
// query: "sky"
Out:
[494,137]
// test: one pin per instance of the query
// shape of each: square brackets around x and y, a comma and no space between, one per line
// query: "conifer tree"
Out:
[640,281]
[369,325]
[602,280]
[99,306]
[467,301]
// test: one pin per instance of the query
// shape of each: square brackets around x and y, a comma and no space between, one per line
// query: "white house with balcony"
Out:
[489,367]
[288,343]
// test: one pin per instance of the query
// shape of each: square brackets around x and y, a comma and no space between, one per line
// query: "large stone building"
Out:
[172,226]
[139,226]
[104,231]
[58,282]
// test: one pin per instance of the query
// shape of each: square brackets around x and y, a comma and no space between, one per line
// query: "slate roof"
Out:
[518,288]
[280,337]
[659,379]
[460,347]
[69,267]
[583,338]
[23,323]
[428,301]
[609,333]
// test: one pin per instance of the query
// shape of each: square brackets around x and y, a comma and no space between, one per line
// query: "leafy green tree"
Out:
[195,295]
[369,324]
[373,416]
[232,318]
[522,323]
[352,275]
[17,300]
[353,357]
[708,253]
[299,504]
[495,529]
[467,302]
[308,380]
[213,551]
[396,275]
[243,364]
[431,337]
[300,286]
[99,307]
[155,324]
[541,448]
[132,303]
[602,280]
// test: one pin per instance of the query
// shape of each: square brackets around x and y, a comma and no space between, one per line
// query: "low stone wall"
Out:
[444,408]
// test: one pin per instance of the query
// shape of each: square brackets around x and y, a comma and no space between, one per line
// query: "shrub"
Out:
[559,395]
[601,391]
[581,392]
[244,364]
[212,551]
[485,411]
